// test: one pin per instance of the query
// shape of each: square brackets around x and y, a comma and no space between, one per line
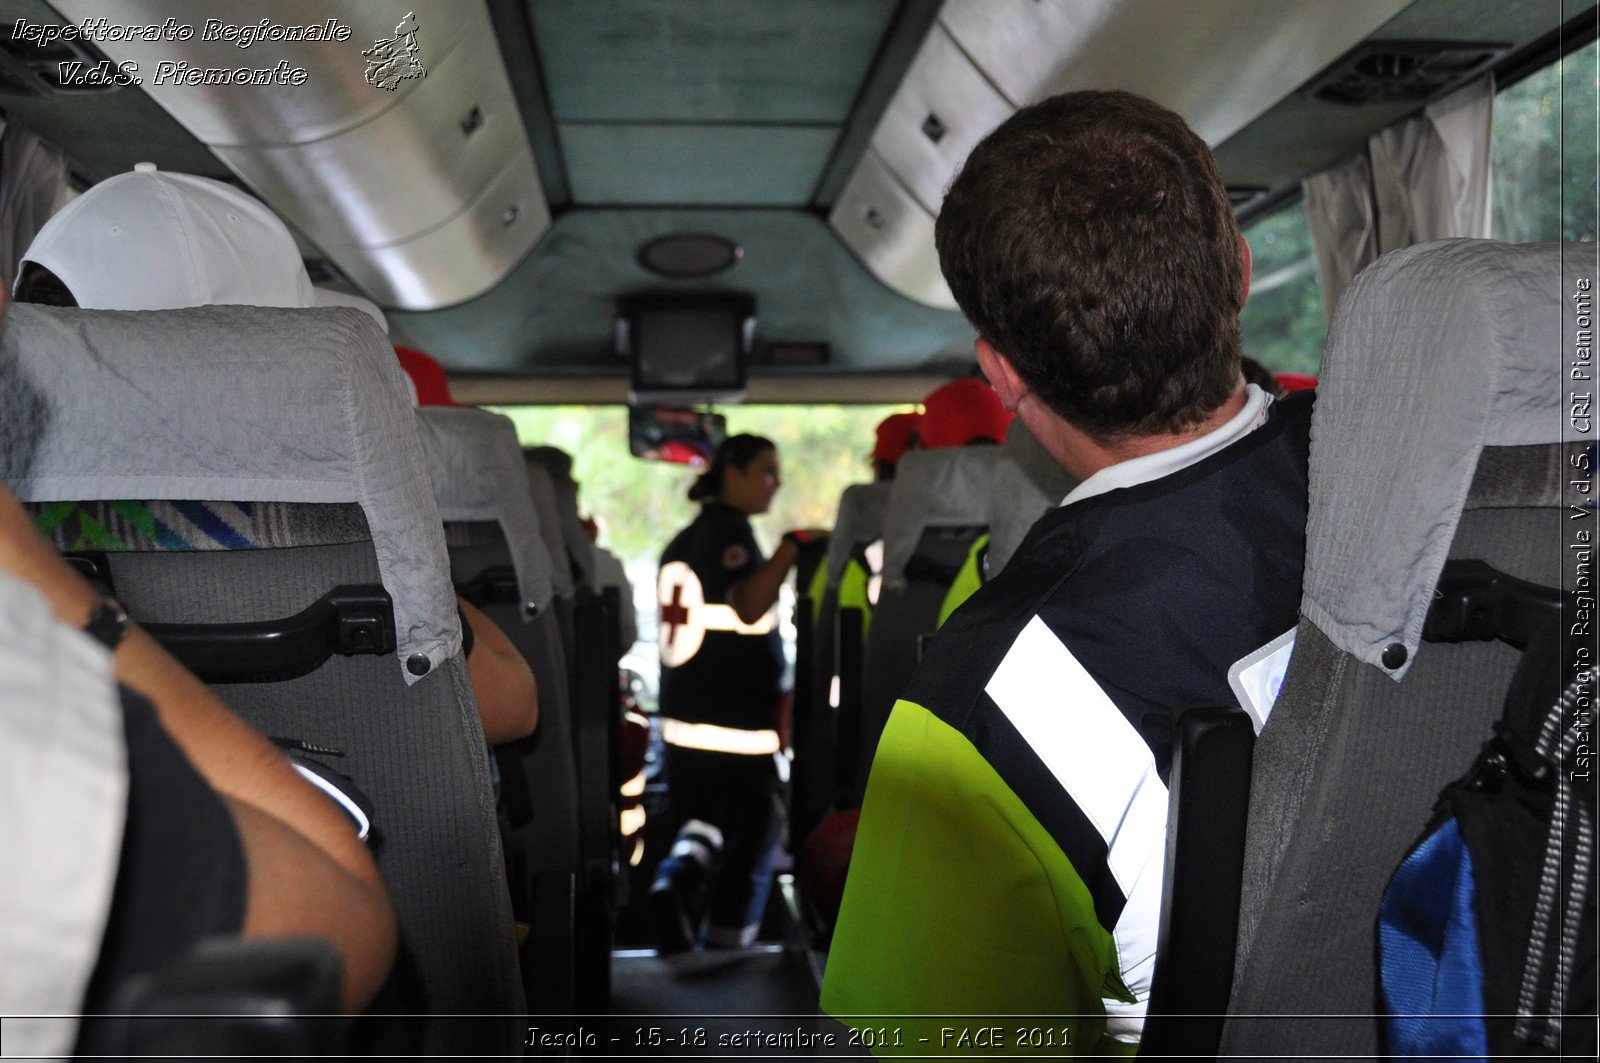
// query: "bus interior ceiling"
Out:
[497,211]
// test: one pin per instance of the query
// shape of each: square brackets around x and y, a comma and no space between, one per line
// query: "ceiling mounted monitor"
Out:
[686,348]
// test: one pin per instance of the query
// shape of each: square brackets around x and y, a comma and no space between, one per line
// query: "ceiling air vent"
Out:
[1402,71]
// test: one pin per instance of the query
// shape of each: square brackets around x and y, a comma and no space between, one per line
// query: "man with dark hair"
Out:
[1012,843]
[1093,248]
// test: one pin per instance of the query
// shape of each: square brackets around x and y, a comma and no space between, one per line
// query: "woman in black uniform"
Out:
[721,683]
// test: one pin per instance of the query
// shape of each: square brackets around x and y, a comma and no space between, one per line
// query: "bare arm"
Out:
[752,596]
[297,890]
[234,759]
[508,698]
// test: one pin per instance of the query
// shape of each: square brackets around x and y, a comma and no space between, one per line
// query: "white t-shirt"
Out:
[63,802]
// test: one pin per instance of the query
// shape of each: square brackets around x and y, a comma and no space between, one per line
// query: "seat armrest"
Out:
[233,997]
[1209,804]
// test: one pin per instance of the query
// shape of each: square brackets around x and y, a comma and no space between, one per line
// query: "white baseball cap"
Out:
[150,240]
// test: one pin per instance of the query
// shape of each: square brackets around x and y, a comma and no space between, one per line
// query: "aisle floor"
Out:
[756,1003]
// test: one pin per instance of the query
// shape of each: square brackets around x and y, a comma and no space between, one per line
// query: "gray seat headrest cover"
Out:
[860,521]
[1028,484]
[1436,351]
[243,404]
[934,488]
[578,554]
[1028,454]
[543,492]
[475,463]
[1016,503]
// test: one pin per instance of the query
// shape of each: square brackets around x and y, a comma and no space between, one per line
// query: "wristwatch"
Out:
[108,623]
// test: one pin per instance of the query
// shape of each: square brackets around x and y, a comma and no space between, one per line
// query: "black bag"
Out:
[1487,930]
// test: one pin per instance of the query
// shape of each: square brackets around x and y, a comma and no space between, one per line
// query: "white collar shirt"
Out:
[1150,467]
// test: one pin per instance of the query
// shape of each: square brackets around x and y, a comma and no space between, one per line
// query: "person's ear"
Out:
[1244,270]
[1001,374]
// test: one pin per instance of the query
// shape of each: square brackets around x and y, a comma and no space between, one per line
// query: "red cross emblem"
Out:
[686,616]
[683,605]
[674,613]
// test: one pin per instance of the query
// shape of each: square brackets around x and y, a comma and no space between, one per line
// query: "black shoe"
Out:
[670,920]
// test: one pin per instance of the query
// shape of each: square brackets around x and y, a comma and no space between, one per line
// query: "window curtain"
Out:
[1344,228]
[1425,178]
[33,186]
[1431,172]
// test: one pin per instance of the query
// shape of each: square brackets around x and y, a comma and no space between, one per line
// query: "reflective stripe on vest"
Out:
[718,739]
[686,616]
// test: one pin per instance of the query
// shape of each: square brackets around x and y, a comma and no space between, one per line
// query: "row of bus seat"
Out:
[220,470]
[1439,433]
[501,562]
[943,509]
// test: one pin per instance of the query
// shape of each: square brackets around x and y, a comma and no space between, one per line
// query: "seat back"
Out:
[1207,811]
[476,471]
[499,561]
[548,510]
[938,504]
[553,650]
[858,525]
[1027,484]
[591,631]
[815,734]
[597,725]
[1437,433]
[539,786]
[315,455]
[557,467]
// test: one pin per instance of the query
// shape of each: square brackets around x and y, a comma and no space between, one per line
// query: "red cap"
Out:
[961,411]
[433,389]
[894,436]
[1295,381]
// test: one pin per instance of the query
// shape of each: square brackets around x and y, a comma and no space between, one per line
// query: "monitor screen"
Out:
[694,345]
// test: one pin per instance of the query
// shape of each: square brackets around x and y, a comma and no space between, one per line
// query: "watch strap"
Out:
[108,623]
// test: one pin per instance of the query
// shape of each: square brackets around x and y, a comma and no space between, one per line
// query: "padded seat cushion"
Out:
[859,522]
[1438,433]
[934,488]
[475,466]
[248,403]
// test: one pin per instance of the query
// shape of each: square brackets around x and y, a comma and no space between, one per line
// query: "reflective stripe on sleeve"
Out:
[1108,772]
